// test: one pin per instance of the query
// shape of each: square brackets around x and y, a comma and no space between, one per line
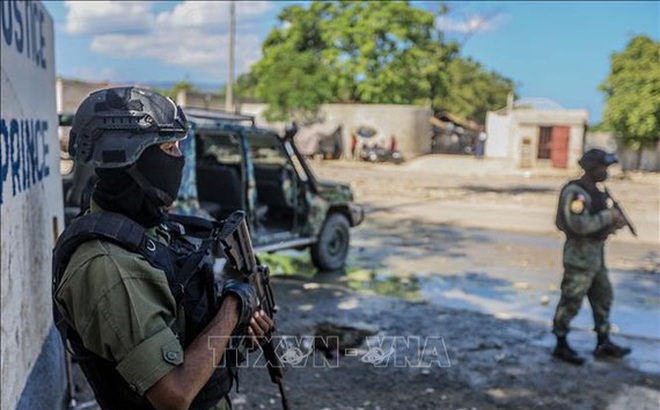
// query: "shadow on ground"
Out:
[492,363]
[513,190]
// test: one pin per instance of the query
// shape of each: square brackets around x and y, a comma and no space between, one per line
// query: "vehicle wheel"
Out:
[329,253]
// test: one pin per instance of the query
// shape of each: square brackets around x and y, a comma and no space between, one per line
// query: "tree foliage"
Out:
[473,91]
[173,91]
[632,91]
[367,52]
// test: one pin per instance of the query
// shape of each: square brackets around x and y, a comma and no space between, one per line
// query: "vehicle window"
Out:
[219,148]
[267,150]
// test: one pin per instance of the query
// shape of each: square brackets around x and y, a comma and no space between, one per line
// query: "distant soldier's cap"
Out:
[595,157]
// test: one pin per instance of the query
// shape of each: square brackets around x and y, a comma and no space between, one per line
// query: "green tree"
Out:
[367,52]
[632,91]
[473,91]
[292,76]
[173,91]
[245,86]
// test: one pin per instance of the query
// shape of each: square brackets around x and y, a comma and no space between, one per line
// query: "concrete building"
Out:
[32,374]
[536,133]
[70,92]
[408,124]
[647,158]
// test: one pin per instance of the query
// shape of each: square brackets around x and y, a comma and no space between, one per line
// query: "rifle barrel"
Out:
[285,402]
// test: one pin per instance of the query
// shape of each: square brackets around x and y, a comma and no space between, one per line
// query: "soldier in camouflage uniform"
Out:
[114,303]
[584,216]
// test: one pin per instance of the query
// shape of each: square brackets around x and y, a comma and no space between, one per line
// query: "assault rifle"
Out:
[237,247]
[618,207]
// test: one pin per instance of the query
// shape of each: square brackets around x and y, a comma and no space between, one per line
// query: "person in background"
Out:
[584,216]
[481,144]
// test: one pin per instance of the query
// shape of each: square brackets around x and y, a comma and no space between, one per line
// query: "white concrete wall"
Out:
[602,140]
[498,130]
[409,123]
[521,132]
[575,145]
[31,204]
[506,133]
[648,160]
[551,117]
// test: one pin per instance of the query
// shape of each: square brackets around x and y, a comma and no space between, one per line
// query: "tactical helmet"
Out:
[595,157]
[113,126]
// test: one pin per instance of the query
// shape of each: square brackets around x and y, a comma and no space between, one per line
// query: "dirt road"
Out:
[451,282]
[468,254]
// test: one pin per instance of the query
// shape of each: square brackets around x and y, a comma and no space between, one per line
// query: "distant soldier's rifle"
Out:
[237,247]
[618,207]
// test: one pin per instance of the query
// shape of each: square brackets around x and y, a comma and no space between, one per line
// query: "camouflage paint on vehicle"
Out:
[251,190]
[309,200]
[188,189]
[187,202]
[318,210]
[331,197]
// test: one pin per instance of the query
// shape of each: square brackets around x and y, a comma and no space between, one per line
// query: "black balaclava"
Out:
[599,175]
[163,172]
[596,173]
[118,191]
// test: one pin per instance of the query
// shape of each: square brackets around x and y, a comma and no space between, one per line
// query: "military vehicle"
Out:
[231,164]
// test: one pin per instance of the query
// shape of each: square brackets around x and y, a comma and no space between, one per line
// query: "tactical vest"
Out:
[598,204]
[187,263]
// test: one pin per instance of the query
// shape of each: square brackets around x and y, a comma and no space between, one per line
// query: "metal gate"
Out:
[559,146]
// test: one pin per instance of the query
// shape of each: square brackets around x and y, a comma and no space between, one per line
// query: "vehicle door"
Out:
[225,176]
[279,188]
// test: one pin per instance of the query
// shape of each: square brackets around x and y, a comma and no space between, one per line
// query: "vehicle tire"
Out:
[330,251]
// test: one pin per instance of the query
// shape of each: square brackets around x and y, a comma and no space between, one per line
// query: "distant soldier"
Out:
[584,216]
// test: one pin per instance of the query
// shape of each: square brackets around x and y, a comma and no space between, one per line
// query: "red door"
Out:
[559,146]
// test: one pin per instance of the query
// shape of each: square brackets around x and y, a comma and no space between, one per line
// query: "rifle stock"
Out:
[237,247]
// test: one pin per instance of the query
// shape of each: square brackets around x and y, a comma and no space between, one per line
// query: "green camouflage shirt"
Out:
[123,310]
[576,205]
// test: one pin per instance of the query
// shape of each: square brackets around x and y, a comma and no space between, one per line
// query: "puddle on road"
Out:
[382,283]
[635,309]
[289,263]
[296,264]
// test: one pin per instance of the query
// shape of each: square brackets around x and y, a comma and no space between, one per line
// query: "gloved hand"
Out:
[248,301]
[619,219]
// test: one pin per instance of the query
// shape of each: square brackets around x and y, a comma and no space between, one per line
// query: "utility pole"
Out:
[229,97]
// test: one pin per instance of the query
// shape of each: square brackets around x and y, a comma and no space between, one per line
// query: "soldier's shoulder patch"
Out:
[577,204]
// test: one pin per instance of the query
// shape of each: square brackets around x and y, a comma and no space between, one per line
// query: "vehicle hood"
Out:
[334,192]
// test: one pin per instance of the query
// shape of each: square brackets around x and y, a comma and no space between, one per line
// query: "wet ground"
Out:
[473,259]
[479,362]
[454,275]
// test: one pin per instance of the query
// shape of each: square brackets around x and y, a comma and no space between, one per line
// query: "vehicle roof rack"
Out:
[217,115]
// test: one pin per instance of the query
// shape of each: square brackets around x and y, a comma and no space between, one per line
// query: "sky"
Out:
[554,50]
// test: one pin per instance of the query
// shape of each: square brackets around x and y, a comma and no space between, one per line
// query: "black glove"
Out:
[248,301]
